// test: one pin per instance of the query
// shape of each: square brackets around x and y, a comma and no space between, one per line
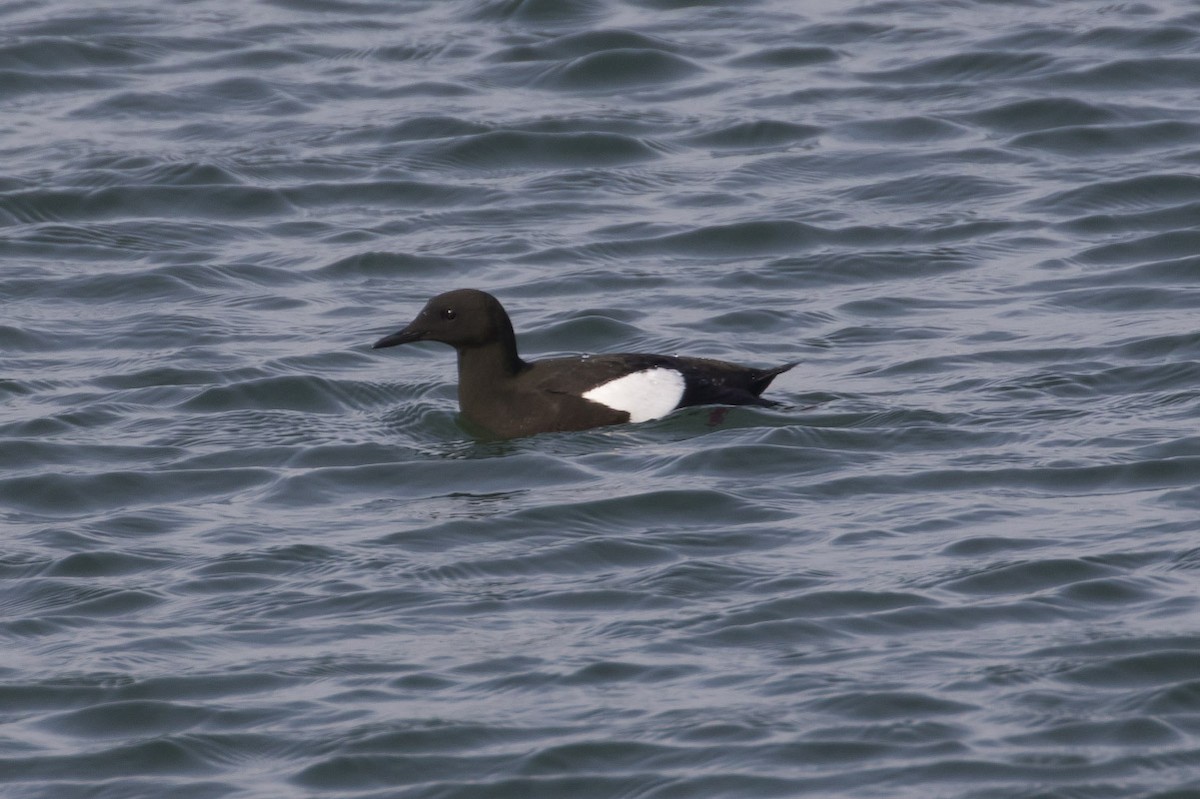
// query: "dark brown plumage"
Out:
[501,393]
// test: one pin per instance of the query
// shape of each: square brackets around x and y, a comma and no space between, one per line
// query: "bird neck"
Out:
[486,371]
[485,366]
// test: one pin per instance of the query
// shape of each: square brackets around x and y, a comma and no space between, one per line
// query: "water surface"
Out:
[246,556]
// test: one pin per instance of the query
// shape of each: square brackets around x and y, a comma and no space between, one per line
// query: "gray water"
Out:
[244,555]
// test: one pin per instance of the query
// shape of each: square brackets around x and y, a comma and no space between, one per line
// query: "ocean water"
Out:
[244,555]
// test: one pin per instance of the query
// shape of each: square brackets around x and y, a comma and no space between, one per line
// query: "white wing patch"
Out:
[644,395]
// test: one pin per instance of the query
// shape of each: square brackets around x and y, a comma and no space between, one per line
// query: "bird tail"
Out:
[763,378]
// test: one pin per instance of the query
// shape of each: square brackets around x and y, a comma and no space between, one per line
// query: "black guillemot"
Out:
[509,397]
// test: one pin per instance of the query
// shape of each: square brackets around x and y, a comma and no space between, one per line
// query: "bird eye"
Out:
[449,314]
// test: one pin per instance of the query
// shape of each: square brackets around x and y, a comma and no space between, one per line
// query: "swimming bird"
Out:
[509,397]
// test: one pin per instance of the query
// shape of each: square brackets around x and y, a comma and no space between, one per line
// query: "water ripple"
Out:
[246,555]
